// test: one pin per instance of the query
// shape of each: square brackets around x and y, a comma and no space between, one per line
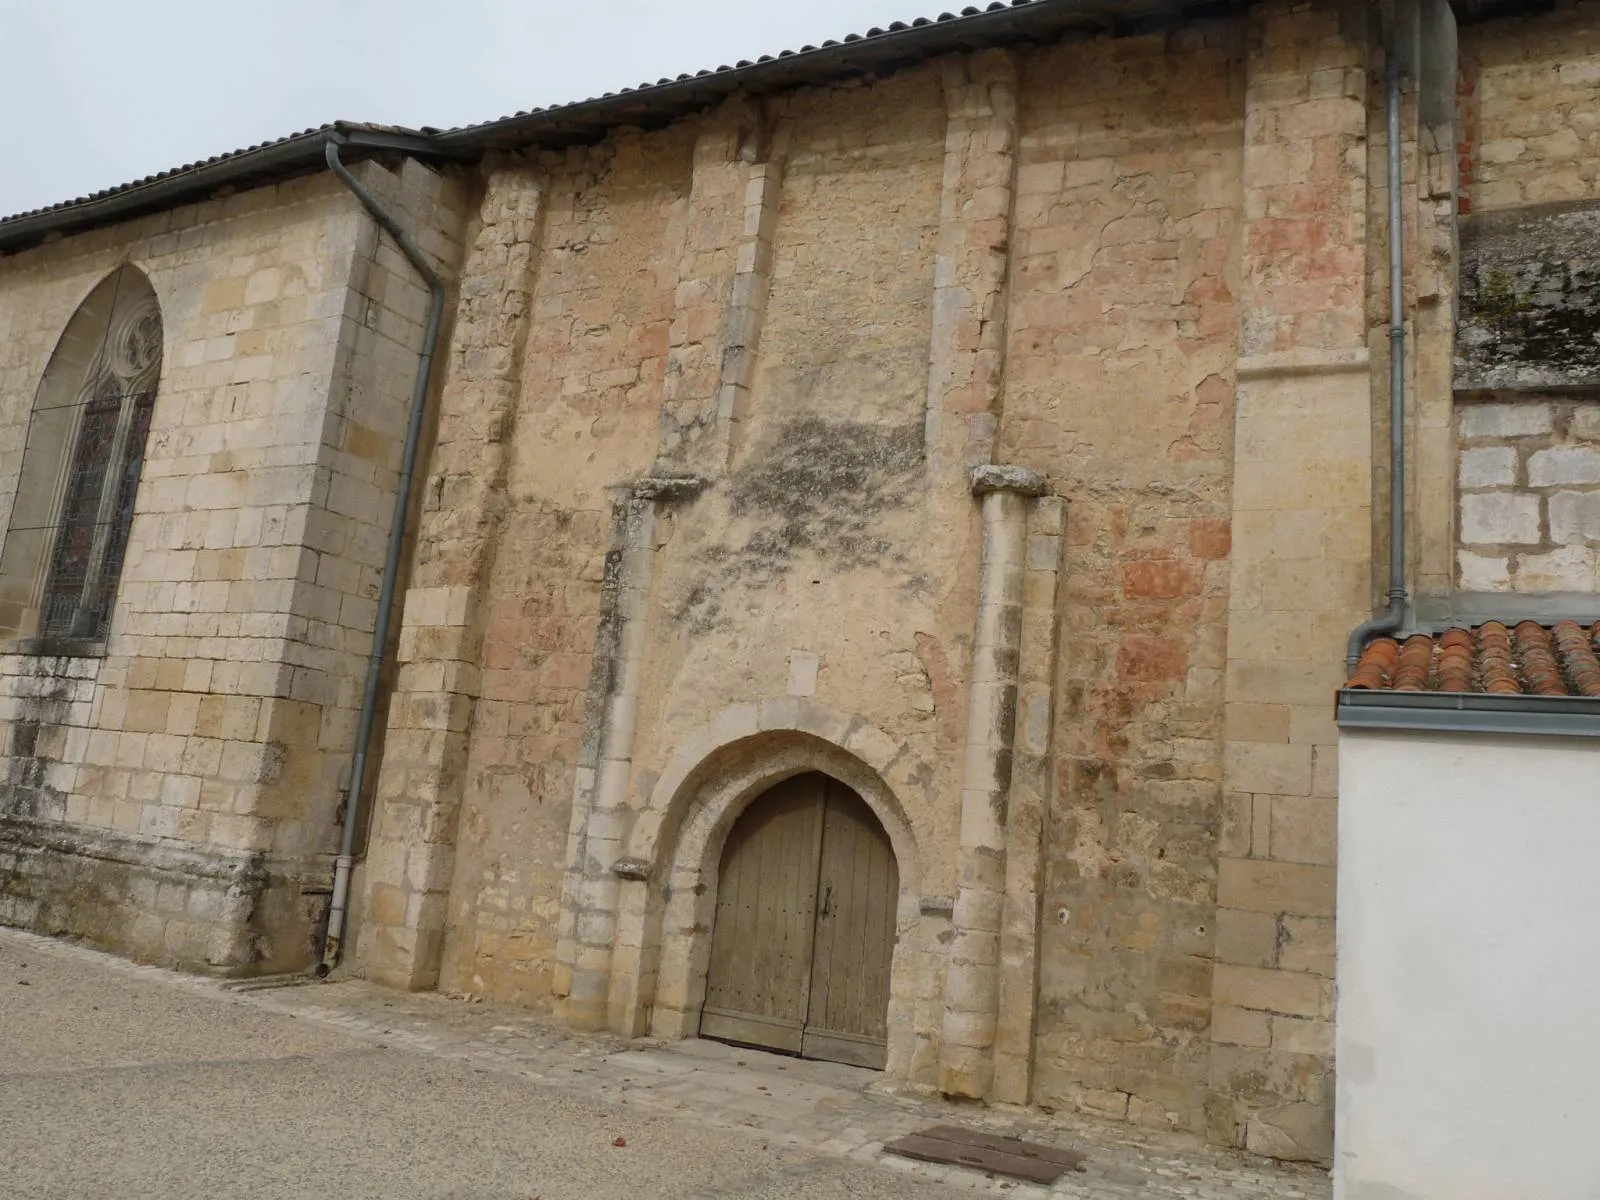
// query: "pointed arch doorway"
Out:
[805,926]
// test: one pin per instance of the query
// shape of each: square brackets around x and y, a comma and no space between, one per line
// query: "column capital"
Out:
[993,477]
[669,487]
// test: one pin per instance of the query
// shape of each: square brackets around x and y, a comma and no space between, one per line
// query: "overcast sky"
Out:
[99,92]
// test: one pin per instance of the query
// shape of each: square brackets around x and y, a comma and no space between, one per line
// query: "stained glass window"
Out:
[102,475]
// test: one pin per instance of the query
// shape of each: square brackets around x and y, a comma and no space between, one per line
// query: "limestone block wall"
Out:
[1302,572]
[192,772]
[552,395]
[1530,87]
[817,514]
[591,391]
[632,246]
[351,511]
[613,262]
[1528,471]
[701,502]
[774,583]
[1524,360]
[700,509]
[1119,385]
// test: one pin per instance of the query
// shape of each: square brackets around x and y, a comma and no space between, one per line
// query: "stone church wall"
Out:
[1529,91]
[590,389]
[1119,384]
[1526,363]
[175,796]
[710,412]
[1005,436]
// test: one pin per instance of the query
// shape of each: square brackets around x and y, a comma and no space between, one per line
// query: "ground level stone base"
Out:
[194,908]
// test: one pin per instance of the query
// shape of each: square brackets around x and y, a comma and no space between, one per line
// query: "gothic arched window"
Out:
[68,532]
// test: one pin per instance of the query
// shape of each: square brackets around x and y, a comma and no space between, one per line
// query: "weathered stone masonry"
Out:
[750,185]
[193,763]
[1003,434]
[1301,561]
[1119,372]
[410,857]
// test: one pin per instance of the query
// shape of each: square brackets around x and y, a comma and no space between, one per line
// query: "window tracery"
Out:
[68,534]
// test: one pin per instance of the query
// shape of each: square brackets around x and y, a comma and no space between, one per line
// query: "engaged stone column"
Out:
[972,978]
[600,803]
[1028,801]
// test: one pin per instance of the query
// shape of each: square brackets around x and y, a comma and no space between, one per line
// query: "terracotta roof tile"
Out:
[1530,659]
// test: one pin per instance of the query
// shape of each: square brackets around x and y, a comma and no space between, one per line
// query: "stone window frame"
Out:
[71,519]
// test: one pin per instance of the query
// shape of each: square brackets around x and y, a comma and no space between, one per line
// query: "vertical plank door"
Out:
[761,943]
[858,889]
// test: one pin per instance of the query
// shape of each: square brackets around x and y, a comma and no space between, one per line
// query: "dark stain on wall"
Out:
[1530,298]
[37,740]
[815,487]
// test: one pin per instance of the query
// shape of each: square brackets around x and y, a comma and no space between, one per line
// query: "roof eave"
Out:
[855,57]
[1468,713]
[274,161]
[589,121]
[875,54]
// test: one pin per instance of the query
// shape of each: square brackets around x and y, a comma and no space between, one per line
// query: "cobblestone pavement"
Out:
[823,1110]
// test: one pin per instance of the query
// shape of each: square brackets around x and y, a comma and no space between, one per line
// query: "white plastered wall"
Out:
[1468,968]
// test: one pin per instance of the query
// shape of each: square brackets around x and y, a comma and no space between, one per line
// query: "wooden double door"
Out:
[805,926]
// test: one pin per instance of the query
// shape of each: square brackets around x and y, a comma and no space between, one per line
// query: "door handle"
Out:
[827,901]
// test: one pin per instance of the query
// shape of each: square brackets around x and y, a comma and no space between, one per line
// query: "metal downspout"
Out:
[1391,620]
[332,940]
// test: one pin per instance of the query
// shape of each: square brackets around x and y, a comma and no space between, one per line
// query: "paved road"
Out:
[127,1082]
[115,1086]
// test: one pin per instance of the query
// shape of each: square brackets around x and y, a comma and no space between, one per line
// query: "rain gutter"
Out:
[1393,617]
[338,909]
[1468,712]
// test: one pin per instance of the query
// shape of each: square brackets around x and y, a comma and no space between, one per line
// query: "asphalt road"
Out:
[117,1086]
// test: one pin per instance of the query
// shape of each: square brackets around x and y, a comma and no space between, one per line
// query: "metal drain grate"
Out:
[963,1147]
[262,983]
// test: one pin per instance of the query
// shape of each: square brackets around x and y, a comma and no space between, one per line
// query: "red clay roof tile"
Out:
[1531,659]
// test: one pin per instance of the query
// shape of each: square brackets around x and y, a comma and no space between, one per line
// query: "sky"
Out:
[100,92]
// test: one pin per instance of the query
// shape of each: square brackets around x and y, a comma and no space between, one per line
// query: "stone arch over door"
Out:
[676,846]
